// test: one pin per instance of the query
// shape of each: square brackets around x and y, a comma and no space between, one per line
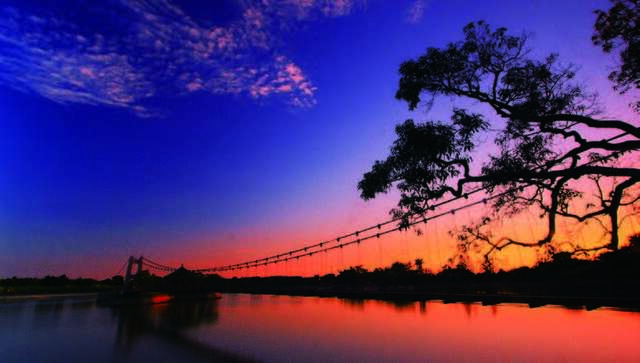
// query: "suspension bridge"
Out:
[354,238]
[468,200]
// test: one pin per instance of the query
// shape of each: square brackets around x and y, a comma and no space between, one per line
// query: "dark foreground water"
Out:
[240,328]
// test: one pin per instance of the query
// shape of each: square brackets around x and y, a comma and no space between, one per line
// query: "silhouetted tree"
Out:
[548,137]
[620,28]
[419,262]
[399,268]
[353,273]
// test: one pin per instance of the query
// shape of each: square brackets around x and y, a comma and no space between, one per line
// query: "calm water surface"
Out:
[243,328]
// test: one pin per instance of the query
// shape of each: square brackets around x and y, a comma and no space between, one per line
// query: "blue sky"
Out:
[128,127]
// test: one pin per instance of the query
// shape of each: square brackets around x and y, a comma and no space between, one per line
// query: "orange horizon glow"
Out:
[435,246]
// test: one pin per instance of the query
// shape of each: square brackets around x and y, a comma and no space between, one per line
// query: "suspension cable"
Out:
[328,245]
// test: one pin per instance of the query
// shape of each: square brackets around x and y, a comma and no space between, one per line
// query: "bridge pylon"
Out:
[129,276]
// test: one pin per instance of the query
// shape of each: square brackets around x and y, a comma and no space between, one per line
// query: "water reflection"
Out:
[470,308]
[169,323]
[50,308]
[12,315]
[255,299]
[397,305]
[423,307]
[401,305]
[82,305]
[357,304]
[47,314]
[240,327]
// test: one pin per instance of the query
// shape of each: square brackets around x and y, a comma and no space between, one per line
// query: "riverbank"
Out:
[56,285]
[402,294]
[408,295]
[48,297]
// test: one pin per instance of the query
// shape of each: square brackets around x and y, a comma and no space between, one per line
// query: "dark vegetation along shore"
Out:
[57,285]
[613,279]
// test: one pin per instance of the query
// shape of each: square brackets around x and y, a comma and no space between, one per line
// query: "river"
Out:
[267,328]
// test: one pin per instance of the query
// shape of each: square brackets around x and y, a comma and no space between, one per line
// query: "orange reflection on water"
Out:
[308,329]
[159,299]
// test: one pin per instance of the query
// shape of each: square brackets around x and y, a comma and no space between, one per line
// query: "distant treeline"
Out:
[612,274]
[56,284]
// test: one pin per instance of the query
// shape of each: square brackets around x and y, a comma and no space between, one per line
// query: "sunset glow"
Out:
[211,133]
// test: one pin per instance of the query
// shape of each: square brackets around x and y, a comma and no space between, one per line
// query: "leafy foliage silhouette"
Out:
[619,27]
[549,132]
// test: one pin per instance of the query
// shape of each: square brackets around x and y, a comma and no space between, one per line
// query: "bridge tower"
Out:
[129,277]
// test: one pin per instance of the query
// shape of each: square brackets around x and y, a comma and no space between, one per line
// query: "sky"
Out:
[208,133]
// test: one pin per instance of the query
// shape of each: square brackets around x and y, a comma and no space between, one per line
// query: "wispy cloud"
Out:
[164,51]
[67,67]
[416,11]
